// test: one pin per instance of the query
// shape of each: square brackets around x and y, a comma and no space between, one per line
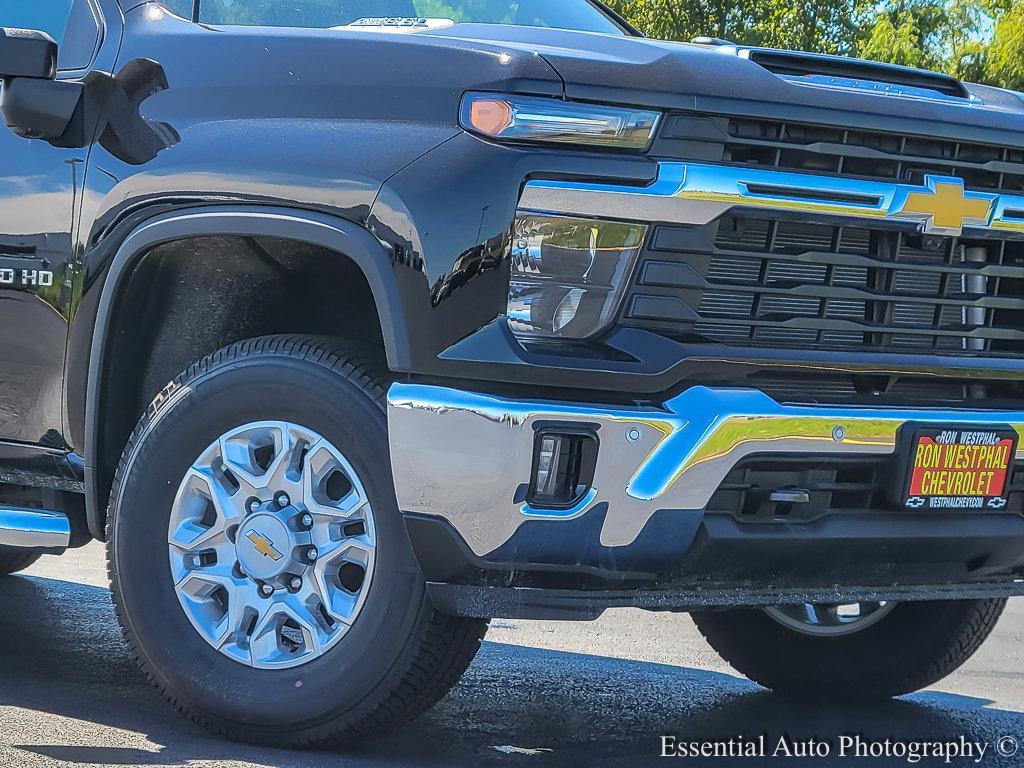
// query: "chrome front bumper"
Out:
[467,457]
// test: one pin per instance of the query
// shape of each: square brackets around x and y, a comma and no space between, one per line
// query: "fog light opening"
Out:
[563,467]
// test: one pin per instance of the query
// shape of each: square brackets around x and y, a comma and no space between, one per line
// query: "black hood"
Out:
[730,79]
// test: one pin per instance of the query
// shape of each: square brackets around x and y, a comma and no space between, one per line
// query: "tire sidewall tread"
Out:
[913,647]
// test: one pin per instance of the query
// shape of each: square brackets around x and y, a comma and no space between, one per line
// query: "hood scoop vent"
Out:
[840,72]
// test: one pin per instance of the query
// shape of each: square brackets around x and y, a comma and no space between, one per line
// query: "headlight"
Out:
[526,118]
[568,274]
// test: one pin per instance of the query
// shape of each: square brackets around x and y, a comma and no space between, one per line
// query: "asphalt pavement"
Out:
[604,693]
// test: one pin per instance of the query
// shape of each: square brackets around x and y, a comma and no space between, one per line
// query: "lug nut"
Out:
[266,590]
[295,583]
[312,555]
[281,499]
[306,520]
[254,504]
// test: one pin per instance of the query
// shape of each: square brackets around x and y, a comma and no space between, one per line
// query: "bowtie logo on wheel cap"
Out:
[263,545]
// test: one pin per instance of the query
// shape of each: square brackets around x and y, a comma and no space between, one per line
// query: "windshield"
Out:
[561,14]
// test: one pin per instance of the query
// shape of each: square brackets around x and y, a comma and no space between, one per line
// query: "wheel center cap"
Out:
[263,546]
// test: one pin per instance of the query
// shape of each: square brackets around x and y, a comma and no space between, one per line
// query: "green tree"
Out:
[980,40]
[675,20]
[818,25]
[825,26]
[897,42]
[1004,64]
[977,40]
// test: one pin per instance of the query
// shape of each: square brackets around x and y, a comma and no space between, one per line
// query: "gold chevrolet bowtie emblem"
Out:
[263,545]
[946,208]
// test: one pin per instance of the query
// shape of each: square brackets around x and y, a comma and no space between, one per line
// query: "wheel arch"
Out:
[346,239]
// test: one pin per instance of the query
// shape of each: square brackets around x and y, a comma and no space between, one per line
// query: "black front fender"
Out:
[86,373]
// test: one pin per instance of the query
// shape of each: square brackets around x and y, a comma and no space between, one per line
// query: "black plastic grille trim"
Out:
[833,150]
[847,152]
[834,487]
[776,283]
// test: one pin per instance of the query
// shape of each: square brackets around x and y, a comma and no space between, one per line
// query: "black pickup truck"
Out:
[348,325]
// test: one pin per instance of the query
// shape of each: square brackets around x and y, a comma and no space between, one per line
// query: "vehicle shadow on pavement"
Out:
[71,695]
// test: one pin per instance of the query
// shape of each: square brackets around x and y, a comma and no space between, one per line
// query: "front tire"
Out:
[910,647]
[224,653]
[14,560]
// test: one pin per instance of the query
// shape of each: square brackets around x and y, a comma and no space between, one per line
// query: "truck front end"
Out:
[750,338]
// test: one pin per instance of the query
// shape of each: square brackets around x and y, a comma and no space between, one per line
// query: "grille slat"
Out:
[880,156]
[759,282]
[801,157]
[871,262]
[844,291]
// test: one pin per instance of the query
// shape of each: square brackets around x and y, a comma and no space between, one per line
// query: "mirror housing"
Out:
[33,103]
[39,109]
[27,53]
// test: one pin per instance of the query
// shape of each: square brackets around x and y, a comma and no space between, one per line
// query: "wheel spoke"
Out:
[221,572]
[356,549]
[287,469]
[207,511]
[321,464]
[233,636]
[350,507]
[251,455]
[283,631]
[210,598]
[189,536]
[342,603]
[335,549]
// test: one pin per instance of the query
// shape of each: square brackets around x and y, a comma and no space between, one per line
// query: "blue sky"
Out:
[47,15]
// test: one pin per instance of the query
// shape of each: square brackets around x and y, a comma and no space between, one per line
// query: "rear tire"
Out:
[14,560]
[396,658]
[911,647]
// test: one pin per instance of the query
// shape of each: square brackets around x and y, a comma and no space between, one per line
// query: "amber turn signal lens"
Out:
[490,116]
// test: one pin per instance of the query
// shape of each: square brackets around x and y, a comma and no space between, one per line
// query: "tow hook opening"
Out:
[564,460]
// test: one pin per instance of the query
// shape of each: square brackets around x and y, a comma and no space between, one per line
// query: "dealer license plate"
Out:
[959,468]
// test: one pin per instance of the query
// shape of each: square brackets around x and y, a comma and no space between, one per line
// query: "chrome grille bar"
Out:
[697,194]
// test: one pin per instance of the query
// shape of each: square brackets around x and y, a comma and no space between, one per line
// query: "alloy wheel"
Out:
[830,619]
[271,544]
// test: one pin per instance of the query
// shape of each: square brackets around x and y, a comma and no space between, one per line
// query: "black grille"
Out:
[773,283]
[840,151]
[851,485]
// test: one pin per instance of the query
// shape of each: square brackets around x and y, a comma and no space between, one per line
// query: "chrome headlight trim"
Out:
[511,117]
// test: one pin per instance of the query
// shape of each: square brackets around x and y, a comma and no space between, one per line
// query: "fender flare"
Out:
[347,238]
